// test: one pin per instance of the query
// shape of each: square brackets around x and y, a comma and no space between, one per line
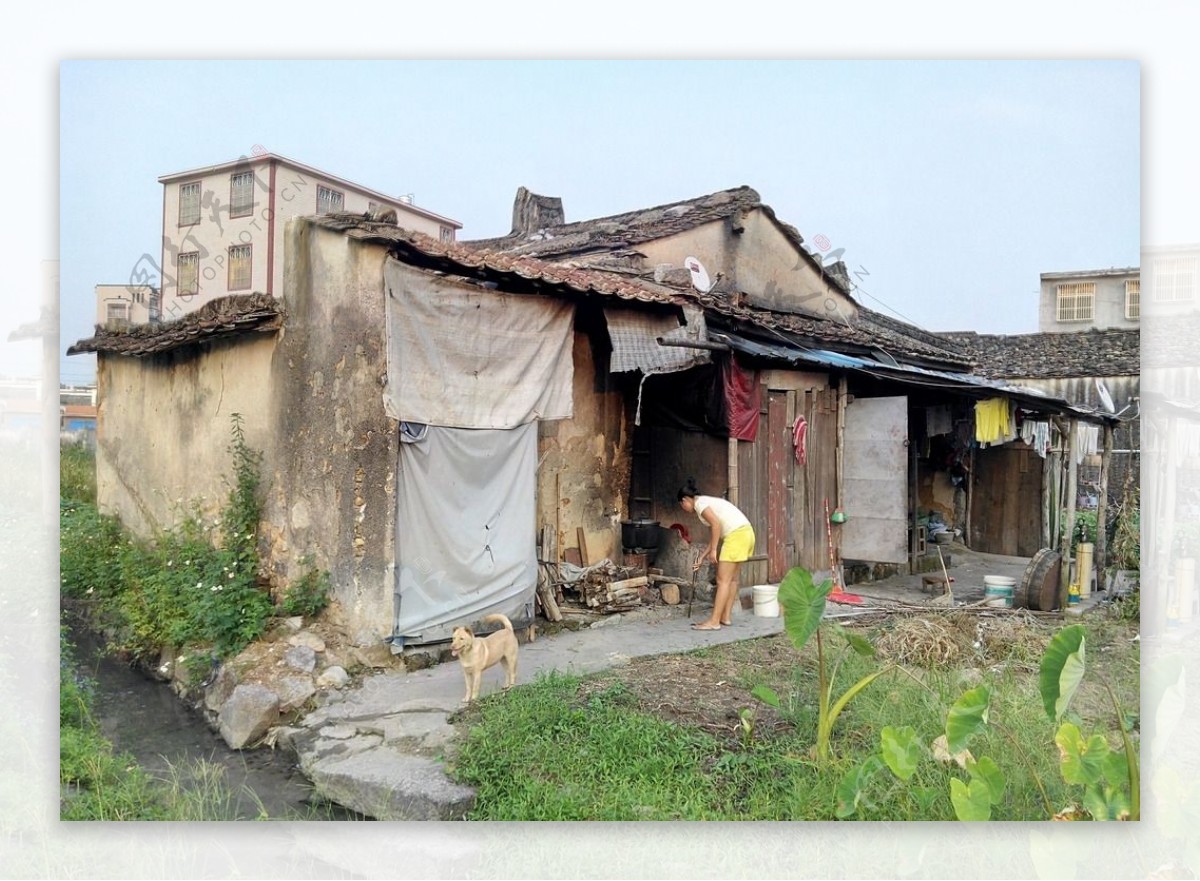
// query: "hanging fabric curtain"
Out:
[741,398]
[460,356]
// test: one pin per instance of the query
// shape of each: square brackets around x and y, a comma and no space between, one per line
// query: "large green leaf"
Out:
[767,695]
[967,718]
[858,642]
[901,750]
[971,802]
[1106,803]
[851,791]
[1062,669]
[989,772]
[803,604]
[1081,761]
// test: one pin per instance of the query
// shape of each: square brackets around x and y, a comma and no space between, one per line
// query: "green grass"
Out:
[572,748]
[77,473]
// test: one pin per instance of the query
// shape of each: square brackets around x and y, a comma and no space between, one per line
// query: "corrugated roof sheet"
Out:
[225,316]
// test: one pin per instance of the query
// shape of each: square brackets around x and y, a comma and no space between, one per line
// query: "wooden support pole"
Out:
[1068,531]
[968,535]
[840,452]
[732,452]
[1101,561]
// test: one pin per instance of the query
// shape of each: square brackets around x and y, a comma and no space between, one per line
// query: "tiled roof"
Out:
[1053,355]
[619,231]
[874,332]
[222,317]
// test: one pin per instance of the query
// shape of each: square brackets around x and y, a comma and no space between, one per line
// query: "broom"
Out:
[837,594]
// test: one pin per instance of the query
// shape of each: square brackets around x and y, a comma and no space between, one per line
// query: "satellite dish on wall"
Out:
[700,280]
[1105,397]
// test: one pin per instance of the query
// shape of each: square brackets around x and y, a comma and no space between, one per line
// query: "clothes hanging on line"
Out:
[937,421]
[994,421]
[1037,434]
[1087,440]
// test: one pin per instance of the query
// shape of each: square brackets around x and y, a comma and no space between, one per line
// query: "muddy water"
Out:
[144,718]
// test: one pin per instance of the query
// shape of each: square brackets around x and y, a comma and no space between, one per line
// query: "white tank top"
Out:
[727,513]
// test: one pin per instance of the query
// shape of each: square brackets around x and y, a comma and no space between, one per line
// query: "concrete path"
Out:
[378,748]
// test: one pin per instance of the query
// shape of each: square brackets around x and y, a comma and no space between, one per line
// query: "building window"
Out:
[1077,301]
[241,194]
[189,204]
[239,267]
[1174,279]
[118,313]
[446,233]
[1133,299]
[189,274]
[328,200]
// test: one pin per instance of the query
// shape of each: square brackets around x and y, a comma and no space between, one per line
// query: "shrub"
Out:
[308,595]
[77,473]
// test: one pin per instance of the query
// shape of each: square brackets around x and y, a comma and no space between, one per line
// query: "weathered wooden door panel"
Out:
[778,447]
[875,476]
[1007,505]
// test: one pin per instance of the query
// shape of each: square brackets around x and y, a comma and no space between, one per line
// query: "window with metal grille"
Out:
[328,200]
[447,234]
[1174,279]
[1133,299]
[189,274]
[189,203]
[118,313]
[1077,301]
[239,267]
[241,194]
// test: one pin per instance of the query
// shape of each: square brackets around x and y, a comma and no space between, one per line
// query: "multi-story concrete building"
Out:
[120,305]
[1104,299]
[223,226]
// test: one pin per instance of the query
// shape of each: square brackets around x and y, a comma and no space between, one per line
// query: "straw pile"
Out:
[926,642]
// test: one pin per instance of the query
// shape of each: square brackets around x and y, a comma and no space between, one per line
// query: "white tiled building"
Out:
[223,226]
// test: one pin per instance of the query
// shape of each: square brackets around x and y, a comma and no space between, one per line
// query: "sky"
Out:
[949,186]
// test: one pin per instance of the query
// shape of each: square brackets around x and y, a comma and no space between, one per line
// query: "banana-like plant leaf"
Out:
[1106,803]
[1061,670]
[967,718]
[851,791]
[989,772]
[803,604]
[767,695]
[971,801]
[1081,761]
[901,750]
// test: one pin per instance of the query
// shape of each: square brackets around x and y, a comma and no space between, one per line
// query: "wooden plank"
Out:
[629,582]
[776,486]
[583,553]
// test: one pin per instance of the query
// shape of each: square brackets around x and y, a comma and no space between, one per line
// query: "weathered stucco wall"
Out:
[331,491]
[163,429]
[583,478]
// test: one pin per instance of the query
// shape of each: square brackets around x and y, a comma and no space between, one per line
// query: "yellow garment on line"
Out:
[992,420]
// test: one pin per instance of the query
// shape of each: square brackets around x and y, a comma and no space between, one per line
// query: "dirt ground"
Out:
[708,689]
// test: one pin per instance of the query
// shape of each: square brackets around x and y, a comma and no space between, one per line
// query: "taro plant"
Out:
[1110,778]
[803,605]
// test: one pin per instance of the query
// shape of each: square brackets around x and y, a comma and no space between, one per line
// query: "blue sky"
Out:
[950,185]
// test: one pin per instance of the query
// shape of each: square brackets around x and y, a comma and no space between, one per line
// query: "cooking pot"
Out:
[639,534]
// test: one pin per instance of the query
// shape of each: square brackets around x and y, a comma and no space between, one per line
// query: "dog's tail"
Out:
[501,619]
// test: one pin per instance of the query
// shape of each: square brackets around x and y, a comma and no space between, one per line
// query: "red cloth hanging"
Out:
[800,439]
[741,399]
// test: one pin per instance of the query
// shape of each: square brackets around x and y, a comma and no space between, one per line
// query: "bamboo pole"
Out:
[839,453]
[968,538]
[732,452]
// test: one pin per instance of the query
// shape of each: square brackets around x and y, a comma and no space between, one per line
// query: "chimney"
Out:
[532,212]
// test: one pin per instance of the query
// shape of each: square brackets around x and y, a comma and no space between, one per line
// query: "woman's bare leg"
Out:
[726,572]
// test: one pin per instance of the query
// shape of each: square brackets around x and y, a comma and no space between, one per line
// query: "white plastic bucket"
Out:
[766,600]
[998,590]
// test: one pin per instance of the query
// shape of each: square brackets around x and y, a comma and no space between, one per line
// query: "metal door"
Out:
[875,480]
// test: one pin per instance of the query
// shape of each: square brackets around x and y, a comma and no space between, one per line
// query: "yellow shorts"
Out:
[738,546]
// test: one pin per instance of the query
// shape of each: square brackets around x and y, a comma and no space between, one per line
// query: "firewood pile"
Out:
[602,588]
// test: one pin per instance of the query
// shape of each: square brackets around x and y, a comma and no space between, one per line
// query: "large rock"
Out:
[246,716]
[333,677]
[302,658]
[308,638]
[293,691]
[389,785]
[220,690]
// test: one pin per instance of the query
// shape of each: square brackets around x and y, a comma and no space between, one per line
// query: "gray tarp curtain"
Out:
[478,368]
[464,529]
[467,357]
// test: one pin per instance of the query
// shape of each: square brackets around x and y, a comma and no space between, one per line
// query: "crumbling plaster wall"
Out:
[330,501]
[164,423]
[583,475]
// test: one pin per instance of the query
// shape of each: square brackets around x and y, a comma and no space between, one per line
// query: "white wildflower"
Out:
[170,563]
[231,575]
[215,588]
[90,589]
[199,584]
